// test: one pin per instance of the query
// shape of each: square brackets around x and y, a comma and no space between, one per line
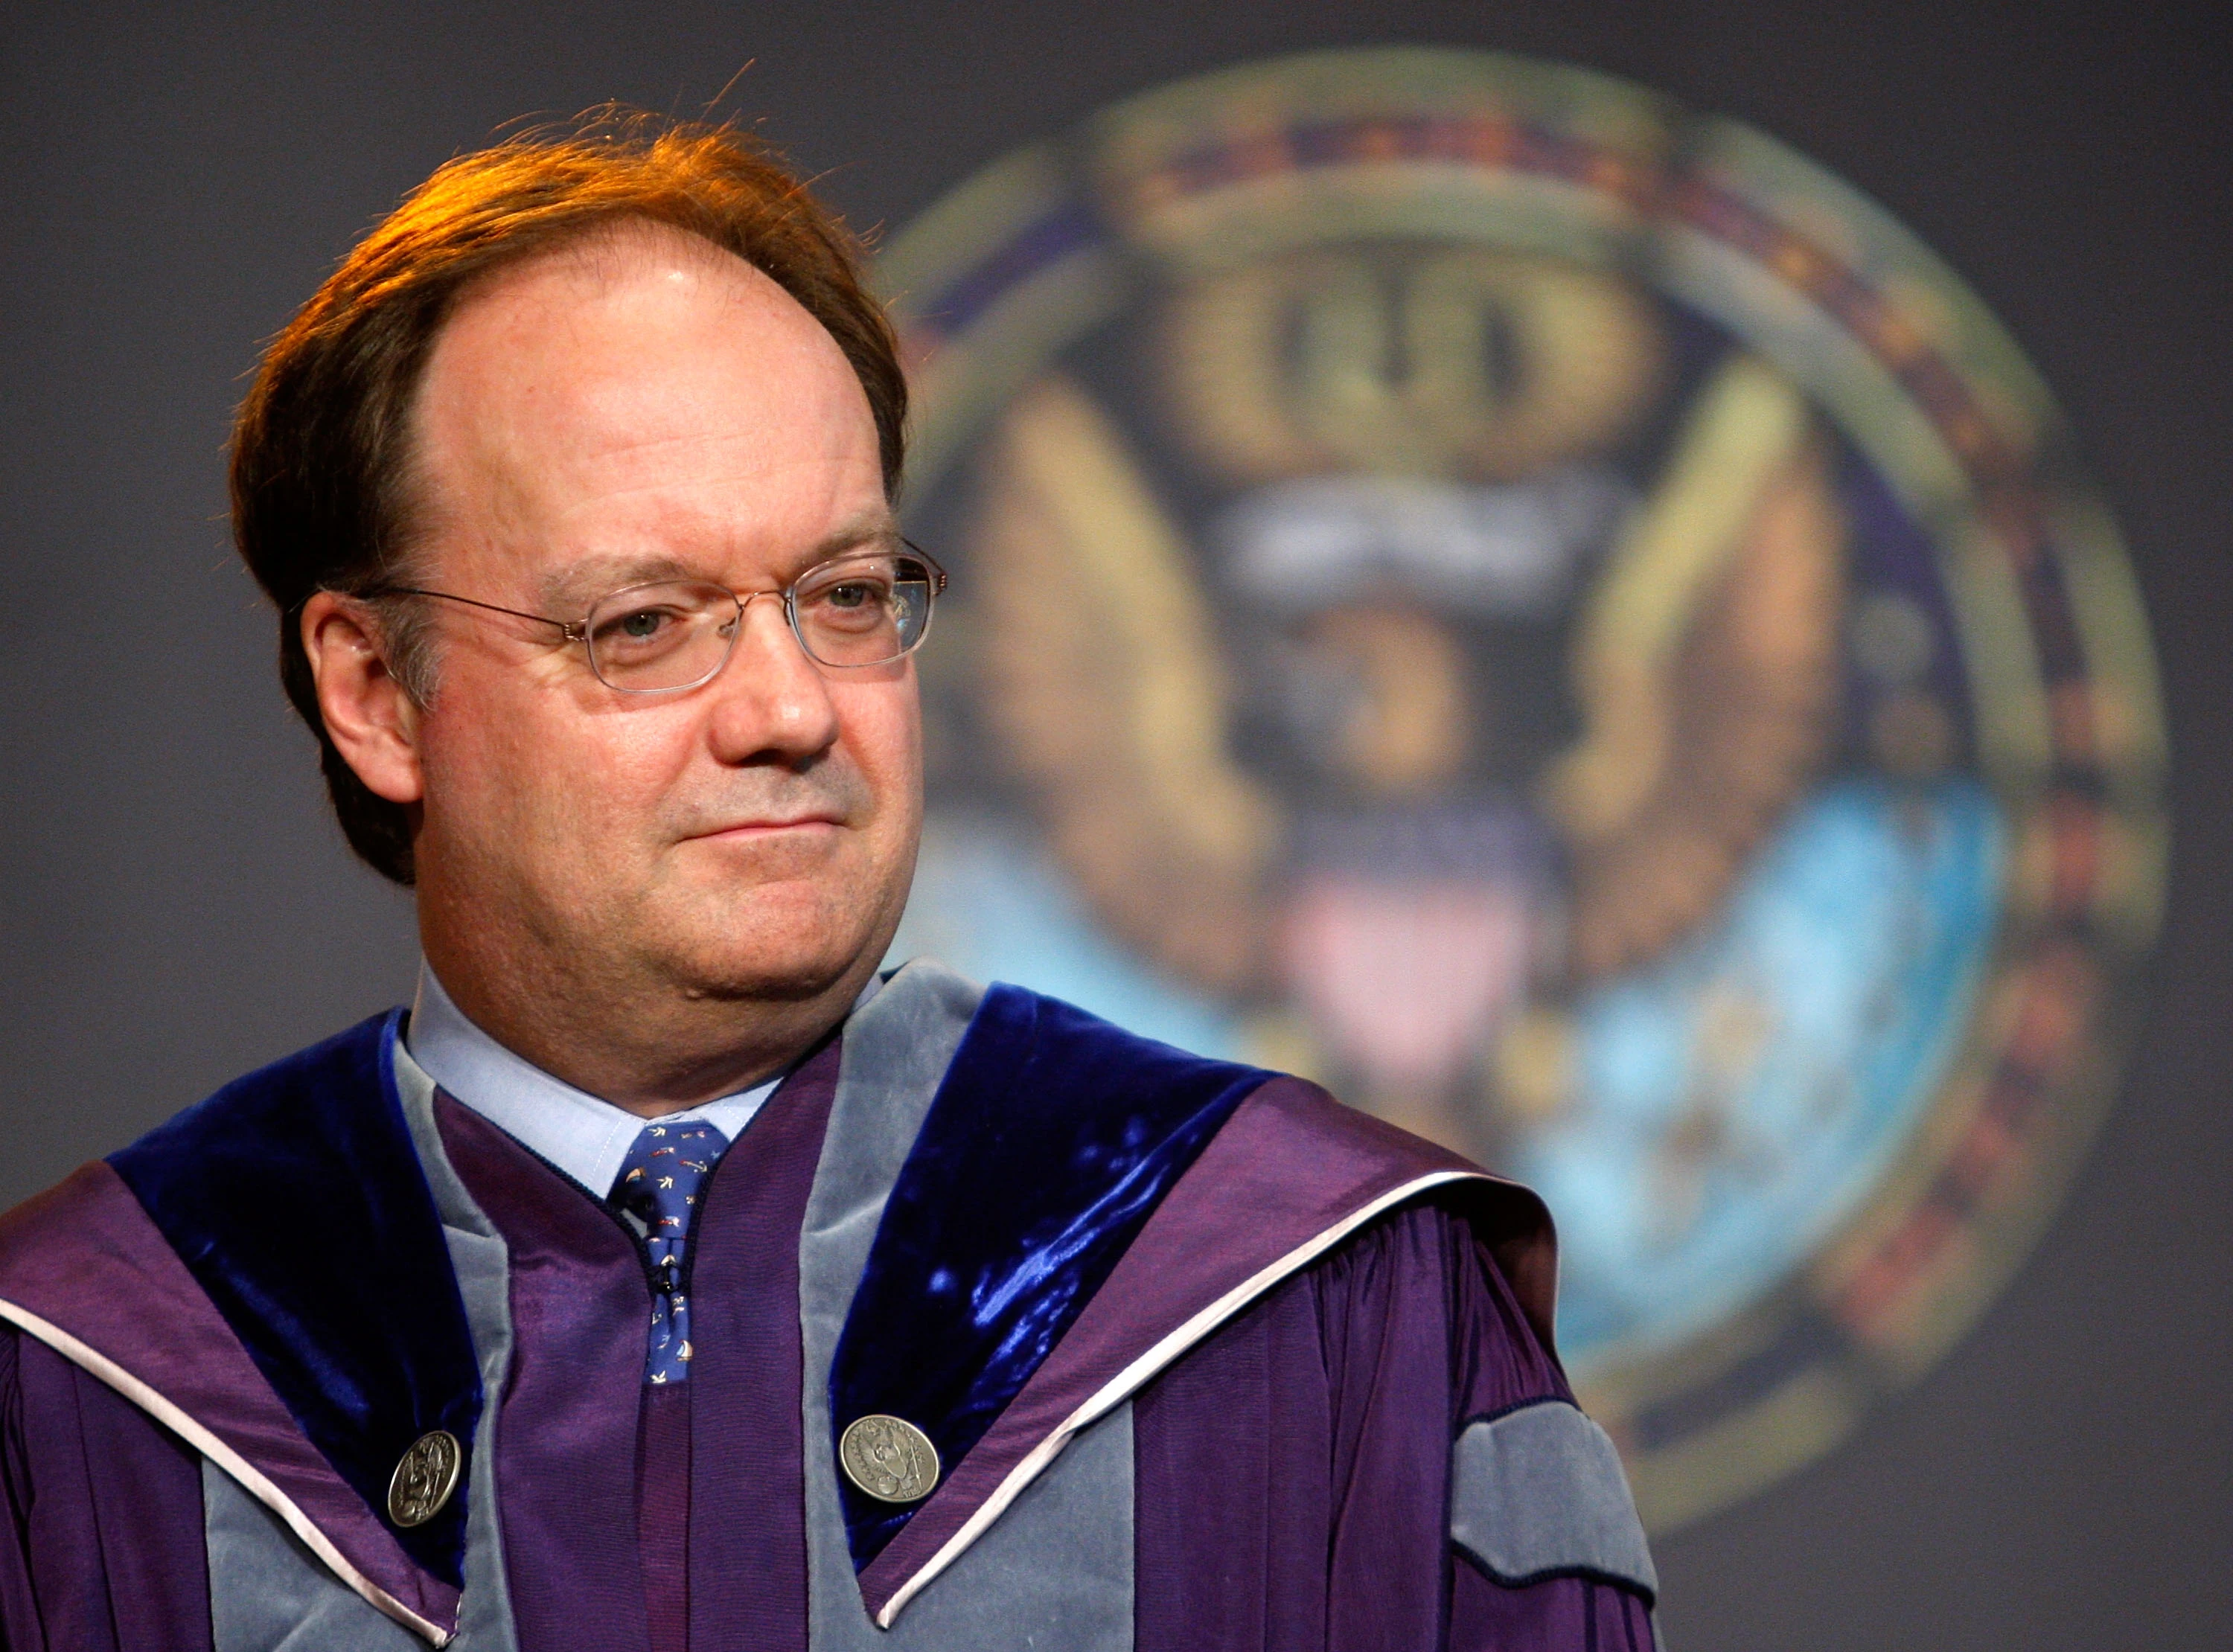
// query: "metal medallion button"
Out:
[424,1479]
[890,1459]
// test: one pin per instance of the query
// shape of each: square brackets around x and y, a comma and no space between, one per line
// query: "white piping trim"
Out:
[1136,1376]
[251,1480]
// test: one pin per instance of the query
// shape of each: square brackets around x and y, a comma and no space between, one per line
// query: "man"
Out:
[669,1278]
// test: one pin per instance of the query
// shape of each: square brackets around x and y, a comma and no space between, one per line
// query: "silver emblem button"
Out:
[425,1478]
[889,1459]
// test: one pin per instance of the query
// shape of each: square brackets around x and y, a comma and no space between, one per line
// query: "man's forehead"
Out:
[647,309]
[644,389]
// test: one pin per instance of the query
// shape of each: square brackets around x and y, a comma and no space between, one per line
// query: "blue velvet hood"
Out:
[295,1199]
[1052,1142]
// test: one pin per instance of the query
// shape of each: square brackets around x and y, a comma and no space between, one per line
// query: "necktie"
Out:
[659,1183]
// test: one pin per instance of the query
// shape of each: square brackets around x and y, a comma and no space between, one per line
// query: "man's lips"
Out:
[764,828]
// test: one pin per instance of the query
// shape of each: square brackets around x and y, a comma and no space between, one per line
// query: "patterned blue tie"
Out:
[659,1184]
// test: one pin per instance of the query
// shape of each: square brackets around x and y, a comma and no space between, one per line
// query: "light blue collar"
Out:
[585,1137]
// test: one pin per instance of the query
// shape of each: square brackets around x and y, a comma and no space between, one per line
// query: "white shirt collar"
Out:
[585,1137]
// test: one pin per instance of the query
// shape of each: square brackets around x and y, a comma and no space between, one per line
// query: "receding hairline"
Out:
[606,249]
[602,250]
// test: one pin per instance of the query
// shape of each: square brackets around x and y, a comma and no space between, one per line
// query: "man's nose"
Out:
[771,701]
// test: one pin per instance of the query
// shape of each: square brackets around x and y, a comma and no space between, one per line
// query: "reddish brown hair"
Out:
[321,445]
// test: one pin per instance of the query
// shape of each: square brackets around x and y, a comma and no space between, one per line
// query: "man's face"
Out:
[651,408]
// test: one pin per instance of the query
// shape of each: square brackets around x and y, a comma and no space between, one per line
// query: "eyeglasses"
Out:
[864,608]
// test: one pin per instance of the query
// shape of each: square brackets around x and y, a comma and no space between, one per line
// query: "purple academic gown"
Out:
[1292,1470]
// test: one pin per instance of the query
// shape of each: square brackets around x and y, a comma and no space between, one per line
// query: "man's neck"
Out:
[660,1054]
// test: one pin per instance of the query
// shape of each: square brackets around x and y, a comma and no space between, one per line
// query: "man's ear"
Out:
[369,717]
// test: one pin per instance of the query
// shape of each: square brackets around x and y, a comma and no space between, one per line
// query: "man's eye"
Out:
[850,596]
[638,627]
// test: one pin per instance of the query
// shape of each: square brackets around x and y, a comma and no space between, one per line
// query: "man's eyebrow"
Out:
[880,529]
[578,584]
[570,589]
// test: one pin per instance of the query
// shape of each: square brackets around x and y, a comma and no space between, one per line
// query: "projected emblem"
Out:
[1556,618]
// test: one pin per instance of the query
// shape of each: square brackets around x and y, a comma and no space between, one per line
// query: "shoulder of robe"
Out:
[1294,1153]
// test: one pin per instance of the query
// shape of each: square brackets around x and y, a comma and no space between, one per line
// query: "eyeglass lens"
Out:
[859,611]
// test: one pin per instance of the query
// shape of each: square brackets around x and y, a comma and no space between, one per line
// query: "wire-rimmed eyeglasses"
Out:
[862,609]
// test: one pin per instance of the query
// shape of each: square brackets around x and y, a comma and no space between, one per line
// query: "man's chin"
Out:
[755,958]
[724,930]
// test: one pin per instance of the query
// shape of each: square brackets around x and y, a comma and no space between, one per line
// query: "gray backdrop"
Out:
[178,908]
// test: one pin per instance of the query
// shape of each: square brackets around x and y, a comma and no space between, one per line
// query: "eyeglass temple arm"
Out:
[937,572]
[572,630]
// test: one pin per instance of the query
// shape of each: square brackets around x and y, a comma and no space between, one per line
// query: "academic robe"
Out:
[1208,1362]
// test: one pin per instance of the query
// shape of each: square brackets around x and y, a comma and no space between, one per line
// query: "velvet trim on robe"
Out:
[1290,1175]
[1051,1141]
[295,1199]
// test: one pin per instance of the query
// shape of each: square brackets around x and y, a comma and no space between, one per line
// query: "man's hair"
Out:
[321,446]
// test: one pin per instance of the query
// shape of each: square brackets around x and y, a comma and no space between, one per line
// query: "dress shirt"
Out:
[585,1137]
